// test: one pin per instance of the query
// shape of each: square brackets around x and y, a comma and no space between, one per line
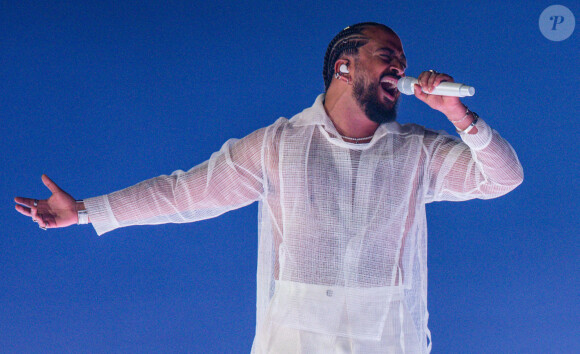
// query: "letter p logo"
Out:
[557,20]
[557,23]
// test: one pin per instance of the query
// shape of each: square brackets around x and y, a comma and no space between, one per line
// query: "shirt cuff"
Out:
[101,214]
[479,140]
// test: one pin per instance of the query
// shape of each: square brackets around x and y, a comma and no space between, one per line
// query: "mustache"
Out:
[395,76]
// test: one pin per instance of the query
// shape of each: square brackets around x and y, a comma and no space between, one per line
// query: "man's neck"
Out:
[347,116]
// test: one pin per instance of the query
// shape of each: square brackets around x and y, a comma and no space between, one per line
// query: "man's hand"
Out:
[448,105]
[451,106]
[60,210]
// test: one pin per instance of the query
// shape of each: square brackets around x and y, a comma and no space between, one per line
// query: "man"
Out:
[342,190]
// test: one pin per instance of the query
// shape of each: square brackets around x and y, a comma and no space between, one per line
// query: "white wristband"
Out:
[83,215]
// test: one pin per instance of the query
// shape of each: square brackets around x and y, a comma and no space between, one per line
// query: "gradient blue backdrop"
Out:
[100,95]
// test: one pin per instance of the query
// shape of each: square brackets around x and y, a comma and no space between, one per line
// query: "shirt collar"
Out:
[316,115]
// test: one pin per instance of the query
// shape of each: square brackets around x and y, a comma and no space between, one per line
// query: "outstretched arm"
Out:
[59,210]
[230,179]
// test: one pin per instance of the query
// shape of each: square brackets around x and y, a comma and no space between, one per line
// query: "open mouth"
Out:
[389,86]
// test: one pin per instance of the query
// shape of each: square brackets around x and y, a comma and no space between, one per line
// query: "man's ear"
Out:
[342,66]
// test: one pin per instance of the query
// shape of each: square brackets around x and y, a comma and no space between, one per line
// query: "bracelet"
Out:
[462,119]
[83,215]
[468,129]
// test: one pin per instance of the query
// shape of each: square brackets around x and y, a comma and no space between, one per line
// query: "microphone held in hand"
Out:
[406,84]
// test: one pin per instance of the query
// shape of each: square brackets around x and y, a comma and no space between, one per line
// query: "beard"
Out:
[367,99]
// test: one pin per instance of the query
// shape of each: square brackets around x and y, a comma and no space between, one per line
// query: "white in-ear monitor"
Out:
[343,69]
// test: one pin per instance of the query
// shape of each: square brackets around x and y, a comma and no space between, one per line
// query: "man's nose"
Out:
[397,67]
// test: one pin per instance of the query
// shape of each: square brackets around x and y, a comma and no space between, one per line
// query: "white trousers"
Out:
[305,318]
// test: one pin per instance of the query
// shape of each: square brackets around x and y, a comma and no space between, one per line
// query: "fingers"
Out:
[431,79]
[418,93]
[24,201]
[50,184]
[23,210]
[423,80]
[33,213]
[27,206]
[43,221]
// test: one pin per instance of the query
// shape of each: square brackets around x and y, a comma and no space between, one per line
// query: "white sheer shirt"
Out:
[342,232]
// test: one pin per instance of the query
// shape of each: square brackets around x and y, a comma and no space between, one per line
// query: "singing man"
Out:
[342,188]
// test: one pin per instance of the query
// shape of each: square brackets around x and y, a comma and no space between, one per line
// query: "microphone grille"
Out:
[405,85]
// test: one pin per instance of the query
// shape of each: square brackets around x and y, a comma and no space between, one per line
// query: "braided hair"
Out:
[346,42]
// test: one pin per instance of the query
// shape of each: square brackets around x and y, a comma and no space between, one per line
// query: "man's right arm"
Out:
[230,179]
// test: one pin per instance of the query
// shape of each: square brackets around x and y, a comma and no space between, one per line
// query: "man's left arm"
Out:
[483,166]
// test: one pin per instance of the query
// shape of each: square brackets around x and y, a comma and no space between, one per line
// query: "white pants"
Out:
[305,318]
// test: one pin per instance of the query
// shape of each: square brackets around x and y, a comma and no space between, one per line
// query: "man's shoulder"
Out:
[413,129]
[308,116]
[407,129]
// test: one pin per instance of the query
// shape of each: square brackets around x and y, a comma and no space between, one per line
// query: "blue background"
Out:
[100,95]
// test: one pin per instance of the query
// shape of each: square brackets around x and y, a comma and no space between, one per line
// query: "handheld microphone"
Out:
[406,84]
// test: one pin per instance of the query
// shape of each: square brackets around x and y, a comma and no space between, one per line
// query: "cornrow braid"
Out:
[346,42]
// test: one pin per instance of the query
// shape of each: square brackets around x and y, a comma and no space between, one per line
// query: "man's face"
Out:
[380,63]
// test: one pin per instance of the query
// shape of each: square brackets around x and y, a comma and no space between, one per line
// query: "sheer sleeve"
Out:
[230,179]
[482,166]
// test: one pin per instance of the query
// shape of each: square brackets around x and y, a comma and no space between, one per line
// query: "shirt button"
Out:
[329,293]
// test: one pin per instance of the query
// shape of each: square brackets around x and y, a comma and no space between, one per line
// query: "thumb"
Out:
[50,184]
[419,93]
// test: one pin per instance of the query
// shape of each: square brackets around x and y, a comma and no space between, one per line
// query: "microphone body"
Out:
[406,84]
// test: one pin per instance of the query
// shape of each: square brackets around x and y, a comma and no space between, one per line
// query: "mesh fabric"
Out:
[342,227]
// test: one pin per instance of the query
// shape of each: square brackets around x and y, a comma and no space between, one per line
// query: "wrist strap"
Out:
[83,215]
